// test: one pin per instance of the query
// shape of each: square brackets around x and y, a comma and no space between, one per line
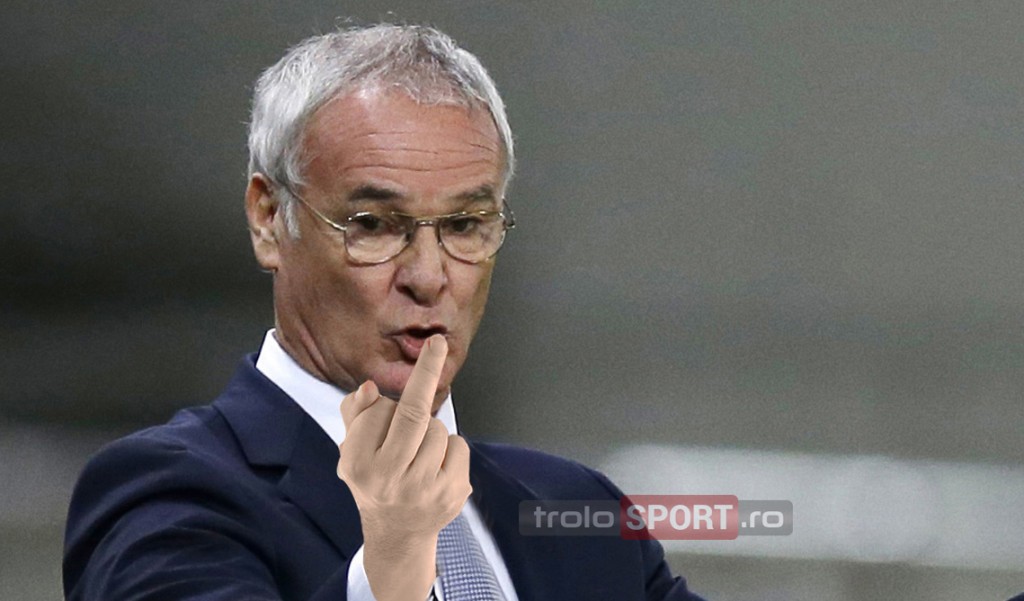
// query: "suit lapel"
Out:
[533,561]
[312,483]
[275,432]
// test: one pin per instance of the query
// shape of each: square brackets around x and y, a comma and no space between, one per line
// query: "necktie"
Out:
[462,567]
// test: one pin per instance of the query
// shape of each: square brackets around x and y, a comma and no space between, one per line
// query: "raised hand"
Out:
[409,478]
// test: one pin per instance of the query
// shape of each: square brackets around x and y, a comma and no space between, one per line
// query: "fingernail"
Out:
[436,342]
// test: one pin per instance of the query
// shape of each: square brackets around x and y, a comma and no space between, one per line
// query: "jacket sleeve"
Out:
[150,520]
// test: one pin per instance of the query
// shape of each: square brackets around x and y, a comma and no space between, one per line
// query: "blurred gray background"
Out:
[769,248]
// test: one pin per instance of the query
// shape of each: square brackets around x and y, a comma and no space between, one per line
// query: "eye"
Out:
[368,223]
[464,224]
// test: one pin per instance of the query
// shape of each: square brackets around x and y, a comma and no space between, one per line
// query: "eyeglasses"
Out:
[372,238]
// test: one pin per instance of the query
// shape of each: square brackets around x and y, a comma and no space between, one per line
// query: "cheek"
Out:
[347,299]
[483,288]
[469,285]
[363,285]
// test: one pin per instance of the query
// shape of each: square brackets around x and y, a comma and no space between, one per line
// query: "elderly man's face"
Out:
[375,151]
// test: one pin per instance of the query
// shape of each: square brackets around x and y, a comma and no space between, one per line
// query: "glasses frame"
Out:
[508,222]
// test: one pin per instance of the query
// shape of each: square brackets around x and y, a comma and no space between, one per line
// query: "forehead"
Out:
[387,140]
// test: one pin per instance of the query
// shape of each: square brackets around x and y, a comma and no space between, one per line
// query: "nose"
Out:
[422,267]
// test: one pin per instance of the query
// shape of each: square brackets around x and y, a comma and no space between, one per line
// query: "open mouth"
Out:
[424,333]
[411,340]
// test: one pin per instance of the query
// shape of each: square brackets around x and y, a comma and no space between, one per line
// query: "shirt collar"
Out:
[322,401]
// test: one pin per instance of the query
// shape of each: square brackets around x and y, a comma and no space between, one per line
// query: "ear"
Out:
[265,221]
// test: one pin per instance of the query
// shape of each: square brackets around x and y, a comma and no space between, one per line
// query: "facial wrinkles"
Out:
[298,337]
[391,146]
[335,126]
[335,366]
[389,163]
[392,165]
[447,119]
[395,153]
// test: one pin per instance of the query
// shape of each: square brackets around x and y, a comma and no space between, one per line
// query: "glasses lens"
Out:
[472,237]
[371,238]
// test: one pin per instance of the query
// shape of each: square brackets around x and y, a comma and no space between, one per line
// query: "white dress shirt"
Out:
[322,401]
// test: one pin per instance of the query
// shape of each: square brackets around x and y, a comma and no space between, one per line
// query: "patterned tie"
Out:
[462,567]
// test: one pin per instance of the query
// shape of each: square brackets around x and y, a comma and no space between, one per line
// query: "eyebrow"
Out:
[372,193]
[483,193]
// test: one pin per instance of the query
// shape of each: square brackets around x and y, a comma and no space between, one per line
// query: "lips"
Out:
[410,340]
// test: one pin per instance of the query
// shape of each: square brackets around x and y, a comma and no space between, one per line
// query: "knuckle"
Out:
[461,493]
[457,444]
[345,464]
[415,414]
[463,489]
[347,472]
[382,410]
[360,469]
[436,427]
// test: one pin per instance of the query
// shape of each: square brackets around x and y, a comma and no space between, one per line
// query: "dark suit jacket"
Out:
[240,500]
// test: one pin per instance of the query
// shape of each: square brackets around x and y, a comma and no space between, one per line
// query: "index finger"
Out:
[412,416]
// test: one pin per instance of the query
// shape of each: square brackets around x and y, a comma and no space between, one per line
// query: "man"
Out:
[379,159]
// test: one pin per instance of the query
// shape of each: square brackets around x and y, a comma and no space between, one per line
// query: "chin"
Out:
[391,380]
[392,376]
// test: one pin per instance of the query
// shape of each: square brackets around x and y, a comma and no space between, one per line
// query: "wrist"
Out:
[400,547]
[400,570]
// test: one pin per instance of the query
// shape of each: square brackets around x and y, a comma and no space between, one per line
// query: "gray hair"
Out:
[420,61]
